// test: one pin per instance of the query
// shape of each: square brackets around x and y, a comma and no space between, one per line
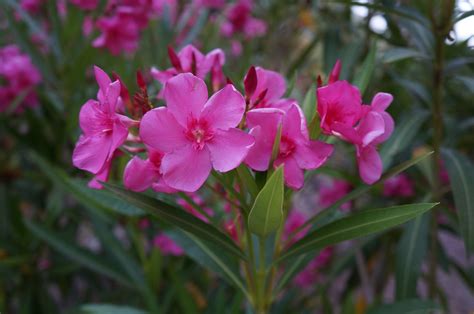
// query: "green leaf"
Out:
[413,306]
[309,104]
[397,54]
[179,218]
[109,309]
[357,225]
[362,79]
[248,180]
[209,256]
[411,251]
[403,136]
[97,199]
[76,253]
[266,213]
[461,177]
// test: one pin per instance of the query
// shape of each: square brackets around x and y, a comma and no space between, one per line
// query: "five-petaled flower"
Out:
[196,134]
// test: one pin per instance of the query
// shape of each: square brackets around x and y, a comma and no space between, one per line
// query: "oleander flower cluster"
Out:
[18,79]
[214,128]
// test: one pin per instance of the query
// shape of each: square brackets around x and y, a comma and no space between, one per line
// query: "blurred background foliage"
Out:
[65,248]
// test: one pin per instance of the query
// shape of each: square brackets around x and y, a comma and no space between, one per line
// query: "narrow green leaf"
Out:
[291,85]
[109,309]
[248,180]
[309,104]
[461,177]
[398,53]
[363,77]
[354,226]
[413,306]
[411,251]
[210,256]
[266,213]
[179,218]
[403,136]
[97,199]
[75,253]
[197,28]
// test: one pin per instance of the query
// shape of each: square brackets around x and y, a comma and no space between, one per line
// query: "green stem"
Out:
[261,306]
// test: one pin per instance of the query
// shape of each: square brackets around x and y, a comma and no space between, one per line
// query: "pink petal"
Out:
[186,169]
[185,96]
[292,124]
[102,78]
[160,130]
[91,152]
[186,58]
[225,108]
[102,176]
[272,81]
[313,154]
[294,175]
[347,133]
[139,174]
[119,135]
[90,117]
[161,187]
[371,127]
[163,76]
[264,124]
[370,164]
[389,127]
[112,95]
[381,101]
[229,148]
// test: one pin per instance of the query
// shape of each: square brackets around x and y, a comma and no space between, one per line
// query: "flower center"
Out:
[198,132]
[287,147]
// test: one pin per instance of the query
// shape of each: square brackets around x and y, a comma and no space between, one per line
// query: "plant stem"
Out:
[261,278]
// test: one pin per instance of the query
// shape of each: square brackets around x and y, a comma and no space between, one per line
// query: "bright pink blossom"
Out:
[240,20]
[166,245]
[398,186]
[191,60]
[20,76]
[119,33]
[140,174]
[332,192]
[104,130]
[339,106]
[297,152]
[195,133]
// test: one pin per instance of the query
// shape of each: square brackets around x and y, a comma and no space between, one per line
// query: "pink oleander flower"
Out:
[269,90]
[240,20]
[297,152]
[196,134]
[120,33]
[86,4]
[312,273]
[294,221]
[166,245]
[339,106]
[398,186]
[375,127]
[332,192]
[20,76]
[191,60]
[139,174]
[103,129]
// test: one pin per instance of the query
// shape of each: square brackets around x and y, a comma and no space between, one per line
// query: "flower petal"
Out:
[186,169]
[229,148]
[370,164]
[271,81]
[160,130]
[139,174]
[225,108]
[389,127]
[381,101]
[371,127]
[313,154]
[293,174]
[91,152]
[91,117]
[103,80]
[185,96]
